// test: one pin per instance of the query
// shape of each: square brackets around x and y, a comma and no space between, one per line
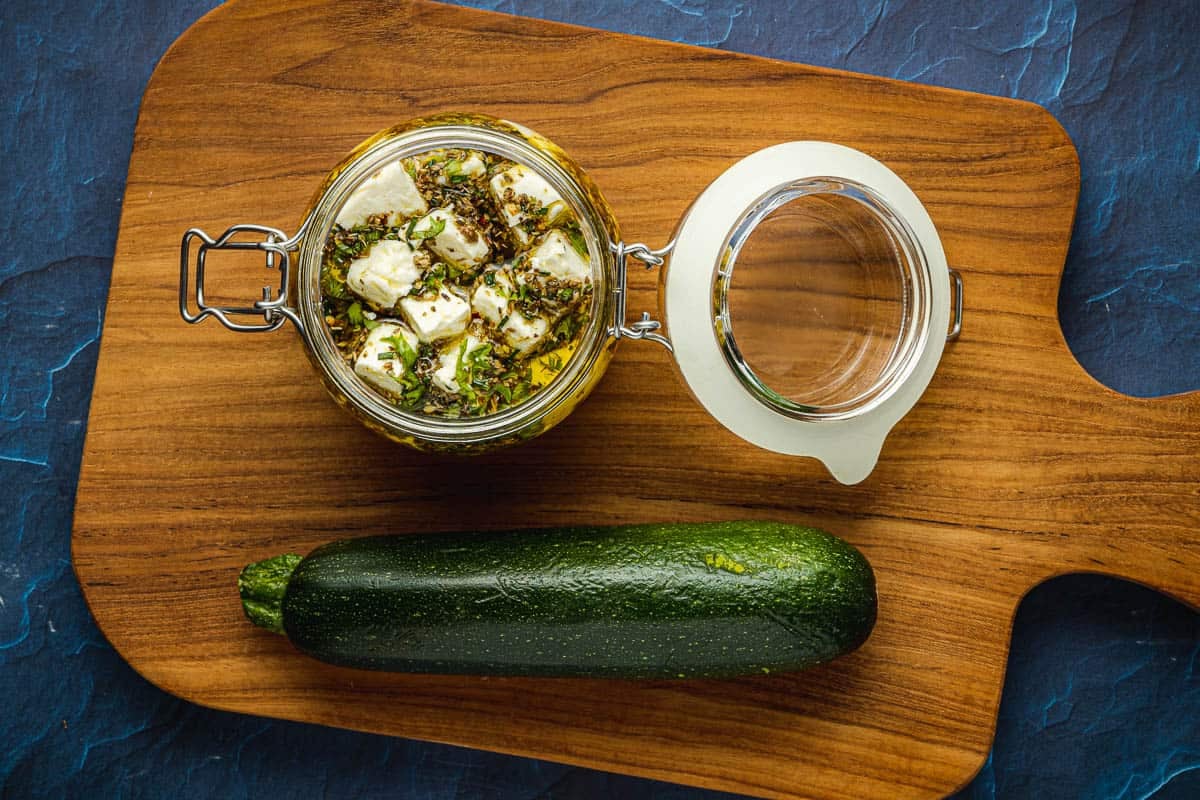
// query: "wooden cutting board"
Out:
[207,449]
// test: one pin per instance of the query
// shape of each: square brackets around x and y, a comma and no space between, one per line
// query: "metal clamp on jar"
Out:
[829,335]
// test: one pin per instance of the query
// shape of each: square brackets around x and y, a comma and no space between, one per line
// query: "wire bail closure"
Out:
[272,308]
[646,327]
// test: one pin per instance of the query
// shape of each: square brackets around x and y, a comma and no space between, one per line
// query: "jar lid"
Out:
[808,299]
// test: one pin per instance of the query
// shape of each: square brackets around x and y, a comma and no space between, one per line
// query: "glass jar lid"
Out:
[807,299]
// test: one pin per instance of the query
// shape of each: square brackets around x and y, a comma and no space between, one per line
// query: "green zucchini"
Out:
[636,601]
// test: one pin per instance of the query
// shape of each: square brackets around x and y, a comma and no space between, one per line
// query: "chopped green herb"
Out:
[333,283]
[454,173]
[434,228]
[462,372]
[568,327]
[577,242]
[405,350]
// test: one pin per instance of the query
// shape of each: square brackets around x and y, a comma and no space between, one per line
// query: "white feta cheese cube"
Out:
[457,241]
[492,301]
[384,274]
[445,377]
[472,167]
[522,333]
[378,362]
[390,191]
[527,189]
[438,316]
[556,255]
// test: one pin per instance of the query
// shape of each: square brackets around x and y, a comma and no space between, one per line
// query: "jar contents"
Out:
[456,283]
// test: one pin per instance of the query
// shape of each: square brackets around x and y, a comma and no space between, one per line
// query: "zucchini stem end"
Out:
[262,586]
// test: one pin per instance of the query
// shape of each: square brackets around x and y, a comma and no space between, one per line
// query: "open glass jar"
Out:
[828,335]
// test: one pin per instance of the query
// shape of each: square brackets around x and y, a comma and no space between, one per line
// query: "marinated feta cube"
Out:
[493,302]
[521,195]
[470,167]
[456,239]
[556,255]
[445,377]
[438,316]
[524,333]
[385,274]
[390,191]
[379,361]
[493,296]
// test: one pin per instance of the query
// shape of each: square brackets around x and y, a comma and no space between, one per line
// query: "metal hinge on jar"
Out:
[646,327]
[956,309]
[272,308]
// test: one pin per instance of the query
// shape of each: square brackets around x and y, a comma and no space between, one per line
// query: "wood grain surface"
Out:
[207,449]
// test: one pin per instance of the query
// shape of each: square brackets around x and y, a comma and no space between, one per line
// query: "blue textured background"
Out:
[1102,697]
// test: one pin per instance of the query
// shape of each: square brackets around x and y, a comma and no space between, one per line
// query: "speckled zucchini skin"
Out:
[639,601]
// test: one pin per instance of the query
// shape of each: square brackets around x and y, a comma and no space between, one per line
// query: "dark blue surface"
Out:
[1102,697]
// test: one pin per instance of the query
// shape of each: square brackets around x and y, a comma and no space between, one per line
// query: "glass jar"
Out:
[833,252]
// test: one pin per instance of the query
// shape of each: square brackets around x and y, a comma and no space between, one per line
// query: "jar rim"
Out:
[911,265]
